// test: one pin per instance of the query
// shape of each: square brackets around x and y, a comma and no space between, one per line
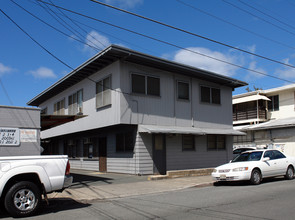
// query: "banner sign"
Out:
[9,136]
[28,135]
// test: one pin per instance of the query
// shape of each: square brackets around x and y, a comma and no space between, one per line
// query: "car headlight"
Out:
[240,169]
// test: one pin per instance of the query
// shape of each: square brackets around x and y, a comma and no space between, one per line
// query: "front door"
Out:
[159,153]
[102,145]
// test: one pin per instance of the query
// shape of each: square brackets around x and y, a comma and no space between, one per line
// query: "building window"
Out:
[183,90]
[188,142]
[273,104]
[44,111]
[146,85]
[59,107]
[75,103]
[216,142]
[124,142]
[210,95]
[103,92]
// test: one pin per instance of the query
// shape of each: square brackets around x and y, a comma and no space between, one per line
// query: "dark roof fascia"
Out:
[114,53]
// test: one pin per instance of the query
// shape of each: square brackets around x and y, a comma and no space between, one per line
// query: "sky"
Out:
[249,40]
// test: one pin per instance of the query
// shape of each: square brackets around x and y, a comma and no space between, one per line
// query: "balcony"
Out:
[249,115]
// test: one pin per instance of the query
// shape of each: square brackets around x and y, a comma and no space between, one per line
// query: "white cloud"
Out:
[5,69]
[96,40]
[287,73]
[207,63]
[43,73]
[125,3]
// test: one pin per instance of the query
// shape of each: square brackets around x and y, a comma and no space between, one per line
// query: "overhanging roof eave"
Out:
[114,53]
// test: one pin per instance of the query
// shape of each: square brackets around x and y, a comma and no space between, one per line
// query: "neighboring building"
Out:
[268,118]
[139,114]
[19,131]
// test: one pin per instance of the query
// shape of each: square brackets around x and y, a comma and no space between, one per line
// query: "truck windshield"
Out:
[248,156]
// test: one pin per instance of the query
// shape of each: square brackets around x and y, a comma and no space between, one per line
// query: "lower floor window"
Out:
[125,142]
[188,142]
[216,142]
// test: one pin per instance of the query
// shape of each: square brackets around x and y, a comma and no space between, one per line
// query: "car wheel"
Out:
[289,173]
[22,199]
[255,177]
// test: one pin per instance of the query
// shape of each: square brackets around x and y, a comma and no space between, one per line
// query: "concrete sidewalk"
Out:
[87,192]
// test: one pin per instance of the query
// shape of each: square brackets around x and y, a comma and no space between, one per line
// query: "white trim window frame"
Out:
[145,84]
[59,107]
[210,95]
[75,103]
[103,92]
[183,95]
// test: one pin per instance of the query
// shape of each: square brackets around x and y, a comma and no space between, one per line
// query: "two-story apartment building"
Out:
[139,114]
[268,118]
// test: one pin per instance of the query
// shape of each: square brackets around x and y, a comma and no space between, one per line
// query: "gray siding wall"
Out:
[199,158]
[137,162]
[167,109]
[22,118]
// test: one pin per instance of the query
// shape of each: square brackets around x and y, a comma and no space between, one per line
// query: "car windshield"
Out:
[248,156]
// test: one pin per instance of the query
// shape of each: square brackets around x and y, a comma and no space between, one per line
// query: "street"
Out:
[273,199]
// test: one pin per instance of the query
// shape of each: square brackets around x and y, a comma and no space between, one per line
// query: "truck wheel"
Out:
[22,199]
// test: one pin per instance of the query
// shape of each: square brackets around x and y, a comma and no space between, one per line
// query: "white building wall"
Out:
[286,105]
[95,118]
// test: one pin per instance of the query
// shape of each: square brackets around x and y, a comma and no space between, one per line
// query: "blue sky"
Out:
[264,27]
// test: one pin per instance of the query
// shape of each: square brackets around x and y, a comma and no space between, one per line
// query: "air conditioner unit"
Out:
[70,142]
[87,141]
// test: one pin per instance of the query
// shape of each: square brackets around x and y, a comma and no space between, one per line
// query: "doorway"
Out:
[159,153]
[102,152]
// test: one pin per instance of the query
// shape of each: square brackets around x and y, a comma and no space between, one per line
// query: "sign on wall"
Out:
[9,137]
[28,135]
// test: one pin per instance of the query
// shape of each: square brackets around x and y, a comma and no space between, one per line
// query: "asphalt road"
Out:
[273,199]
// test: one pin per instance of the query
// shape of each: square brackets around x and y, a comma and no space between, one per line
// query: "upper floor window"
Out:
[59,107]
[183,90]
[273,104]
[210,95]
[44,111]
[75,102]
[147,85]
[103,92]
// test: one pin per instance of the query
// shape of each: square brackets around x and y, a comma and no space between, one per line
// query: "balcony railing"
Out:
[250,114]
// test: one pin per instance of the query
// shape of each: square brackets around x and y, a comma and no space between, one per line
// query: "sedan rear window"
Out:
[250,156]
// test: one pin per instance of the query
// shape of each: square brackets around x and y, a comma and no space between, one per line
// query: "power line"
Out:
[191,33]
[237,26]
[241,9]
[5,91]
[35,40]
[54,28]
[171,44]
[278,20]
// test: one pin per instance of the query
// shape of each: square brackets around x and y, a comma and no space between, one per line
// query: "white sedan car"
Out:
[256,165]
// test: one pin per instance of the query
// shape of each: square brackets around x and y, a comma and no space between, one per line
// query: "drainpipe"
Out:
[191,95]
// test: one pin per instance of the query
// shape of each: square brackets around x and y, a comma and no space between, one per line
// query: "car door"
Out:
[268,167]
[281,163]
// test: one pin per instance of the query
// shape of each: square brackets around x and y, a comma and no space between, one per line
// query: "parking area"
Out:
[82,178]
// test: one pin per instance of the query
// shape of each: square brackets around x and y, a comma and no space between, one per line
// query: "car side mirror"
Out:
[265,159]
[230,161]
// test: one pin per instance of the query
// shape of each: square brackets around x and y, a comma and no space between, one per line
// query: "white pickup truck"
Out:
[23,180]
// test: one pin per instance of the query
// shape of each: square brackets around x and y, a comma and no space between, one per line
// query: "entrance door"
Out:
[159,153]
[102,145]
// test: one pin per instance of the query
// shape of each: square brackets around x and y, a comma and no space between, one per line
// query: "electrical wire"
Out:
[234,25]
[171,44]
[266,21]
[192,34]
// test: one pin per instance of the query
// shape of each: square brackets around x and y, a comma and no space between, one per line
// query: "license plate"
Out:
[222,177]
